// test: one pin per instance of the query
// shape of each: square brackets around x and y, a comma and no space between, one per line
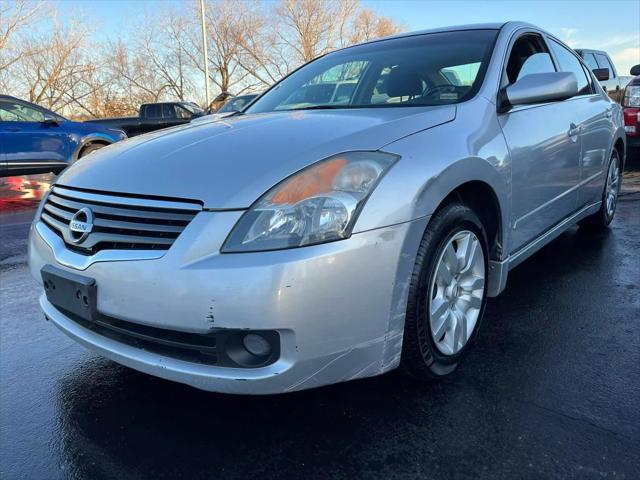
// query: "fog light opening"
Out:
[256,345]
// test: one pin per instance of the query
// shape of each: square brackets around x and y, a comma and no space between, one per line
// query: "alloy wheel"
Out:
[457,292]
[612,187]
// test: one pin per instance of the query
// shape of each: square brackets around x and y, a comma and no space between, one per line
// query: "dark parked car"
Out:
[36,140]
[631,105]
[603,69]
[154,116]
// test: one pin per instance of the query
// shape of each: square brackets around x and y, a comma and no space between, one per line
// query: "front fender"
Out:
[434,163]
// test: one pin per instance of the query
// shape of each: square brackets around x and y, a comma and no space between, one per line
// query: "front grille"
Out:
[119,222]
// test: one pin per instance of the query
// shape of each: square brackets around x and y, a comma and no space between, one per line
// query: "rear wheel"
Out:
[603,217]
[447,294]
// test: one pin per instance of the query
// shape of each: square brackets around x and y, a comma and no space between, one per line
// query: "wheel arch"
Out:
[619,145]
[90,140]
[479,185]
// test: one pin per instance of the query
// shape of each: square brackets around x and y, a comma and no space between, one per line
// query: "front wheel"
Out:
[90,149]
[603,217]
[447,294]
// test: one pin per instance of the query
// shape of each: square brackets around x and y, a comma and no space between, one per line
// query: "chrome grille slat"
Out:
[151,227]
[119,225]
[121,212]
[120,200]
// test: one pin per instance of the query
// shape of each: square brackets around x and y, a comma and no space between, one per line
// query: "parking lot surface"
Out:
[551,389]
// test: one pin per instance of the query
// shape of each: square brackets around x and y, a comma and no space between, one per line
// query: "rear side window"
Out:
[152,111]
[590,60]
[568,62]
[603,62]
[529,54]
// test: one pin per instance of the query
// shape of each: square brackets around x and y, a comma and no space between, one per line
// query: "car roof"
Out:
[9,97]
[455,28]
[591,50]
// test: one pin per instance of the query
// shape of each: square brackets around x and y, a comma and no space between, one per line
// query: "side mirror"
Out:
[539,88]
[601,74]
[635,70]
[50,119]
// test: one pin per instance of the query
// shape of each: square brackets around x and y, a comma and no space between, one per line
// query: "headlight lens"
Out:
[315,205]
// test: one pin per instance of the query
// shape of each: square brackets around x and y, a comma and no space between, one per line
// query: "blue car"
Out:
[36,140]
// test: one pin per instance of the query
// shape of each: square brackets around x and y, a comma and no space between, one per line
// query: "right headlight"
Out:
[315,205]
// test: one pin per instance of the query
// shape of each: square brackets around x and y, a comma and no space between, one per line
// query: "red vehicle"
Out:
[631,105]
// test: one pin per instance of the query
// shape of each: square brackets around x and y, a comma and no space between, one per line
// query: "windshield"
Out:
[193,108]
[430,69]
[236,104]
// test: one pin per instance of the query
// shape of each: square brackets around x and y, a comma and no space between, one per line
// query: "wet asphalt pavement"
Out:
[551,390]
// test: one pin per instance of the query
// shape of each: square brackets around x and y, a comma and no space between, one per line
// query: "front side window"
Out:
[529,54]
[16,112]
[568,62]
[423,70]
[169,111]
[603,62]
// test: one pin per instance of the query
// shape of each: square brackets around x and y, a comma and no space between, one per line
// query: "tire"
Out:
[603,217]
[90,149]
[424,354]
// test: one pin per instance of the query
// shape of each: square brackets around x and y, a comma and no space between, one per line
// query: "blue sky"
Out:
[613,26]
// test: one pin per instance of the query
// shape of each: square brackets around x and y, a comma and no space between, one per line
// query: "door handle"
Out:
[573,130]
[12,129]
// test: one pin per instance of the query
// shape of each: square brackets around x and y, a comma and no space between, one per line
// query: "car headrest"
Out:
[404,81]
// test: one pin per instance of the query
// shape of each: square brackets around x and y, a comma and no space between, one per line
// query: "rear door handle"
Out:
[573,130]
[12,129]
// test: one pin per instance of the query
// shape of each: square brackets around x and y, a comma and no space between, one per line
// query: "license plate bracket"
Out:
[71,292]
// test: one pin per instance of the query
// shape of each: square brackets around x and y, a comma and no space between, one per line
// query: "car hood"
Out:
[230,163]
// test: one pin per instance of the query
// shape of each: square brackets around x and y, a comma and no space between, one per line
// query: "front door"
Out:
[28,143]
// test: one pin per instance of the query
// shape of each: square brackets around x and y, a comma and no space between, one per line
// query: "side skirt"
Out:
[498,271]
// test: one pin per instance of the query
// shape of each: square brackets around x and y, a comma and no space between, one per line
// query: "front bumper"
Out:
[338,308]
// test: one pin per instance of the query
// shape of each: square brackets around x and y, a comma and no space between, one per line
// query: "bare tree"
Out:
[313,27]
[368,25]
[61,65]
[16,19]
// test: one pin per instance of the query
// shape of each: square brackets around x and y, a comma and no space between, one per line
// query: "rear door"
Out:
[593,112]
[29,145]
[544,145]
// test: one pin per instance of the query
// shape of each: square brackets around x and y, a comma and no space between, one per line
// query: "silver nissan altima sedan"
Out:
[353,220]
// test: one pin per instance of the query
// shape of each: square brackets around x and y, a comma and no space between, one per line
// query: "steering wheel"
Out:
[442,89]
